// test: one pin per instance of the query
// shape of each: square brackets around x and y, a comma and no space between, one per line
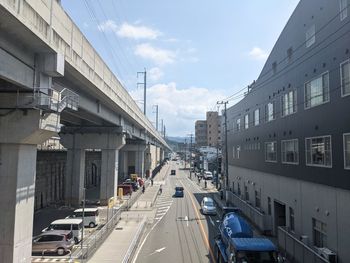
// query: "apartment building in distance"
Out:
[213,128]
[289,137]
[208,132]
[201,133]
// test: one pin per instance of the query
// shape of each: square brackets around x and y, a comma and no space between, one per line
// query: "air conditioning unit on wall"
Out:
[327,254]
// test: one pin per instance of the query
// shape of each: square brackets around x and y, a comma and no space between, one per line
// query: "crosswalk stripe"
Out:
[163,208]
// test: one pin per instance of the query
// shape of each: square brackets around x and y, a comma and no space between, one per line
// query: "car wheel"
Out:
[60,251]
[92,224]
[76,241]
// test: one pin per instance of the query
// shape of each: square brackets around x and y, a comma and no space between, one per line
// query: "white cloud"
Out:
[155,74]
[179,108]
[108,25]
[137,32]
[157,55]
[127,30]
[258,54]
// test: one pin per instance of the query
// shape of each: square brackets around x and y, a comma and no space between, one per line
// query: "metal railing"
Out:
[134,242]
[295,250]
[261,220]
[93,242]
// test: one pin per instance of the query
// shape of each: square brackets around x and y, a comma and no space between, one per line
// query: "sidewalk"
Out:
[122,241]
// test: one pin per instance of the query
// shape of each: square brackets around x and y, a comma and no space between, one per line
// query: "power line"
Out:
[311,56]
[226,151]
[300,46]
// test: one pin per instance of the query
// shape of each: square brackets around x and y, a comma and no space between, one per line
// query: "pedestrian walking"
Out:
[151,181]
[143,189]
[205,184]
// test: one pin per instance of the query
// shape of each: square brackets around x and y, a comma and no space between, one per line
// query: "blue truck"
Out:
[236,243]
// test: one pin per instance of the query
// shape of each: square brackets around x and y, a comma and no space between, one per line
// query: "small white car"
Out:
[208,175]
[208,207]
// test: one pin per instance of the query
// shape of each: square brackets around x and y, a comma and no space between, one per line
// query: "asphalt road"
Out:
[182,234]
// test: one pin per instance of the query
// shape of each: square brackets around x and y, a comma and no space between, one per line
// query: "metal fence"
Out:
[261,220]
[93,242]
[295,250]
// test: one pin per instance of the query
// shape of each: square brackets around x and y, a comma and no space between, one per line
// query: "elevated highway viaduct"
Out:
[53,83]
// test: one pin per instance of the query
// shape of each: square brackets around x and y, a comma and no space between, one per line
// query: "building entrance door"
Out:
[280,215]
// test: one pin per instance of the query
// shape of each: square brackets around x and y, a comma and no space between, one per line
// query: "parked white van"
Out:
[91,216]
[75,225]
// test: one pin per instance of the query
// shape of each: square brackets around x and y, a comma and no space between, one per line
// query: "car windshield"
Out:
[256,257]
[209,203]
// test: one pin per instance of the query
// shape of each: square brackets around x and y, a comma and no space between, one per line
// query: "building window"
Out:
[317,91]
[319,151]
[238,124]
[343,9]
[291,219]
[246,193]
[310,36]
[274,67]
[345,78]
[257,199]
[289,103]
[234,152]
[271,151]
[268,205]
[238,151]
[319,233]
[290,151]
[347,151]
[246,121]
[270,111]
[256,117]
[289,53]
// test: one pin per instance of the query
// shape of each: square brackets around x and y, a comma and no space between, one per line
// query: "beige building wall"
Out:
[201,133]
[213,128]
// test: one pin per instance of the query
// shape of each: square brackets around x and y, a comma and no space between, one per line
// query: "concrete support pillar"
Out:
[109,174]
[75,175]
[148,161]
[123,164]
[140,163]
[136,157]
[105,139]
[20,132]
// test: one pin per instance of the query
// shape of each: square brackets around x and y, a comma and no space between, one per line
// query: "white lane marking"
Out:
[157,251]
[164,204]
[186,219]
[211,221]
[163,208]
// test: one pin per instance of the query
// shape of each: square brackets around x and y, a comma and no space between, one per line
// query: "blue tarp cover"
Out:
[253,244]
[235,226]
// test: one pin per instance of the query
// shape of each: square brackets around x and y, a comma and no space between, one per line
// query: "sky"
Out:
[195,52]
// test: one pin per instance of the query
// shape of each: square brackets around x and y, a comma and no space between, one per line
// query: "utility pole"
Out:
[191,136]
[161,127]
[144,73]
[156,106]
[226,151]
[185,152]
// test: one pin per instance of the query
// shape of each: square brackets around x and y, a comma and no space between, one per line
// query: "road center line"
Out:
[204,234]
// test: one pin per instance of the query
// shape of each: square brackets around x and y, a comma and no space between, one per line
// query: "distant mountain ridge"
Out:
[179,139]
